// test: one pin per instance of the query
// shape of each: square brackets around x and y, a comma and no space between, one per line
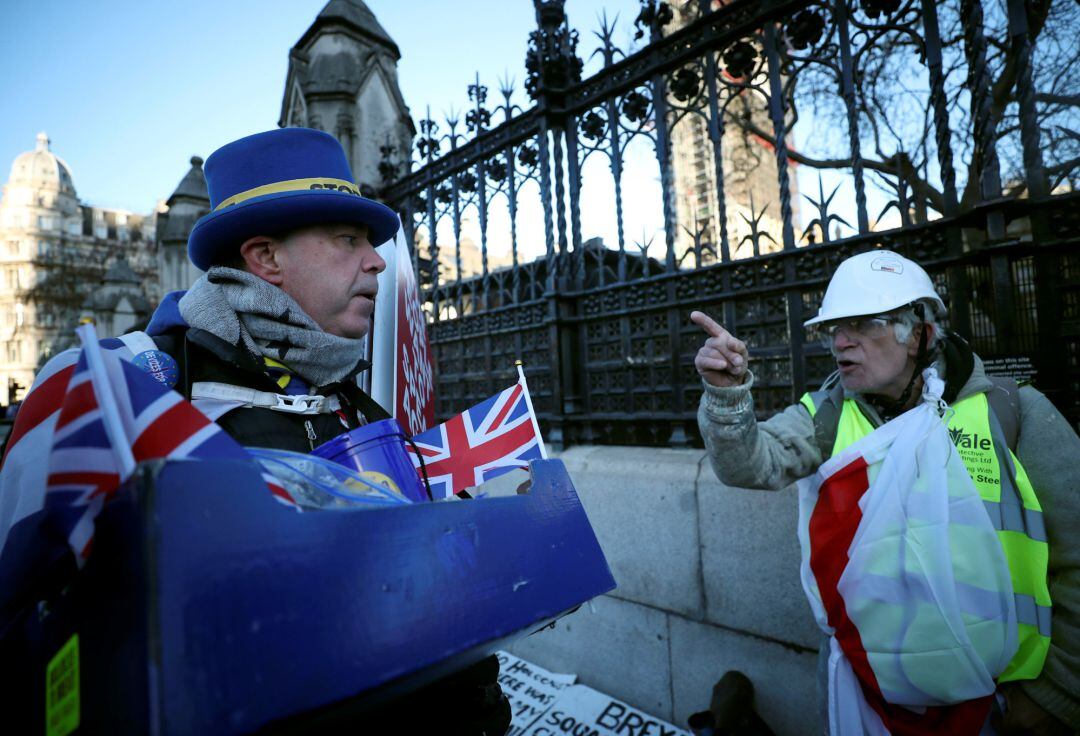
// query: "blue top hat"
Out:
[279,180]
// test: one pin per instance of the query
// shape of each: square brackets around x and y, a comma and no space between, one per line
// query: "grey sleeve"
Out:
[1049,450]
[746,453]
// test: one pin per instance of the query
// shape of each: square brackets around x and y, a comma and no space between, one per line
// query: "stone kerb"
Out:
[642,504]
[679,540]
[750,556]
[615,646]
[708,582]
[784,677]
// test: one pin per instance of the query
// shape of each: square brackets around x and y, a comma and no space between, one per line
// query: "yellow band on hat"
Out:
[292,185]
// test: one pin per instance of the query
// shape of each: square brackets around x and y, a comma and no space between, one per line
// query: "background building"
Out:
[342,78]
[54,253]
[184,207]
[751,192]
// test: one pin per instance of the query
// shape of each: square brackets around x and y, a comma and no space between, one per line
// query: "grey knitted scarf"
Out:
[242,309]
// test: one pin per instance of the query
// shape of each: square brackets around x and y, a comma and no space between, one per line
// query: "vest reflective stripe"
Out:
[1008,517]
[1019,512]
[1010,502]
[1030,613]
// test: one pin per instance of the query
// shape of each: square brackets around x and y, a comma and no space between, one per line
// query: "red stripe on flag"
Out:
[425,451]
[39,404]
[465,458]
[103,483]
[280,492]
[514,395]
[77,402]
[168,431]
[832,527]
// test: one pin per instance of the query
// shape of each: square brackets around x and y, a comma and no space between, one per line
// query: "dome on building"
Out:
[42,169]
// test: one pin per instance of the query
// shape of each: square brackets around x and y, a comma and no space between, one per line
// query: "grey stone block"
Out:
[614,646]
[784,679]
[750,555]
[641,502]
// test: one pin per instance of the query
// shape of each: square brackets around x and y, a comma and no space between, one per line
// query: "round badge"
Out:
[159,365]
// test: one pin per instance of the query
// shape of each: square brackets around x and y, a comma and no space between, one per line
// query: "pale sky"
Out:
[129,90]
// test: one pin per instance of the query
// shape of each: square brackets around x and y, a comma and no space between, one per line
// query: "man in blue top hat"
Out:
[270,340]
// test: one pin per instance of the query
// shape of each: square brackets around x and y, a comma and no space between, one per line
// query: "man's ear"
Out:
[260,253]
[916,333]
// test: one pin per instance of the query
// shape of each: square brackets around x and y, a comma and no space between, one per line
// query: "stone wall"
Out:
[708,582]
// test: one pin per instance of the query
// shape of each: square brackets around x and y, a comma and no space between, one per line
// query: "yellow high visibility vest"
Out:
[1010,502]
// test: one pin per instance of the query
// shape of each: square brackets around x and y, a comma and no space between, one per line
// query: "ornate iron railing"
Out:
[960,120]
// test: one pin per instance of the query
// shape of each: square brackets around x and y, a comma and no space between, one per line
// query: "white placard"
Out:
[384,327]
[549,704]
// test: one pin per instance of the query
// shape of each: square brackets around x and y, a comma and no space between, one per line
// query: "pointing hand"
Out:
[721,361]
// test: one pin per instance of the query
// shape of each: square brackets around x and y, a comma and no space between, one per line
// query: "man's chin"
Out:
[350,331]
[850,383]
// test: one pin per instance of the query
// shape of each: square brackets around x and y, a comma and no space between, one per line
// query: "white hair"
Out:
[906,321]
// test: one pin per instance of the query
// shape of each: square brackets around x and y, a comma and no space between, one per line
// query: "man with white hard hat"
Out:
[881,320]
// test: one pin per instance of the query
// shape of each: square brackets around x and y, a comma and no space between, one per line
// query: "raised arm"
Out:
[745,453]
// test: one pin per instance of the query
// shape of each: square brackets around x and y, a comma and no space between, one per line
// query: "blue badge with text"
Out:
[159,365]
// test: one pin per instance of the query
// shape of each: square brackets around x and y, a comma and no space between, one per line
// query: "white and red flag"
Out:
[904,572]
[484,442]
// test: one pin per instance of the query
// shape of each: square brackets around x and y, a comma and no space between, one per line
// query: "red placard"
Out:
[414,387]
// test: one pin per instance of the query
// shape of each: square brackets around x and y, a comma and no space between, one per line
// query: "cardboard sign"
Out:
[402,377]
[548,704]
[531,690]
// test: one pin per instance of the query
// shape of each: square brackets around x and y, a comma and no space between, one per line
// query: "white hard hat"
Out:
[875,282]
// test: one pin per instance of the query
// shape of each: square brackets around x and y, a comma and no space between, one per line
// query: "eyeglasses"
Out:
[860,328]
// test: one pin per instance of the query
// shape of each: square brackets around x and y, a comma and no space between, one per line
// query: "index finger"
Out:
[707,323]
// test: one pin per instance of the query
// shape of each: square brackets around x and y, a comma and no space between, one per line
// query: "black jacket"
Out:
[201,356]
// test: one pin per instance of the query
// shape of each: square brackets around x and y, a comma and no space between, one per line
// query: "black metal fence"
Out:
[960,120]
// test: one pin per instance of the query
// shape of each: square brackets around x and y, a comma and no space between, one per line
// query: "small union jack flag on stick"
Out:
[107,416]
[484,442]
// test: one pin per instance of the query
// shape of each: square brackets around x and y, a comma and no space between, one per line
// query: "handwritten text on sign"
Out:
[549,704]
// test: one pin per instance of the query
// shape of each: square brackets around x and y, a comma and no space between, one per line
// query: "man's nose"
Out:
[841,341]
[374,263]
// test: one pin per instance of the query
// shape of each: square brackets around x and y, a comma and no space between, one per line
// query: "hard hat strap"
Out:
[922,359]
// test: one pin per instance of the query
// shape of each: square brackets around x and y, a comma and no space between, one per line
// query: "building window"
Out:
[13,351]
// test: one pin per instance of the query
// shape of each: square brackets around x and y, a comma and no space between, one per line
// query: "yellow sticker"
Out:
[62,690]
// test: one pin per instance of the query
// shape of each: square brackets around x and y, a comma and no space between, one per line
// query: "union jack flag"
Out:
[106,415]
[484,442]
